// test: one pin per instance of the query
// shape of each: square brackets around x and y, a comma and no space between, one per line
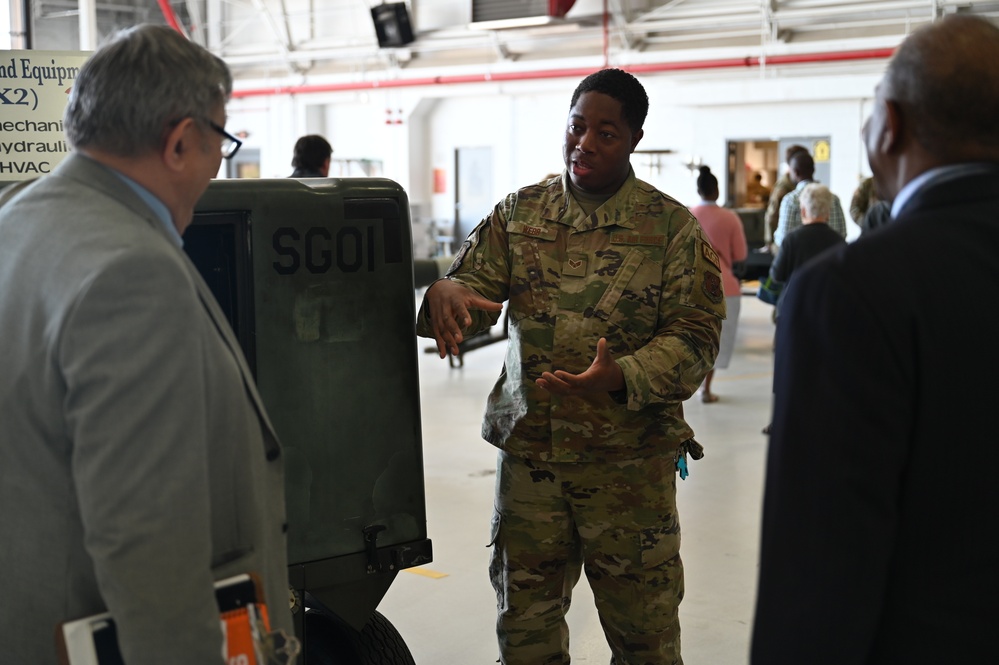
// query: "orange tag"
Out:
[242,635]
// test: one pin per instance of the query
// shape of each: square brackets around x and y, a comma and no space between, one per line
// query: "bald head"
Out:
[945,79]
[937,103]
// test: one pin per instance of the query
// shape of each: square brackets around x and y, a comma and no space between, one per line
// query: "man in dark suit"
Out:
[881,489]
[137,463]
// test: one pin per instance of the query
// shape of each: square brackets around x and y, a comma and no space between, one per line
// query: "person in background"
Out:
[779,191]
[615,304]
[877,544]
[876,216]
[804,243]
[802,174]
[726,234]
[809,240]
[781,188]
[864,198]
[757,193]
[137,462]
[312,157]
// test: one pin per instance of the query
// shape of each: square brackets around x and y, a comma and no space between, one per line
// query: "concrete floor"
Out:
[445,610]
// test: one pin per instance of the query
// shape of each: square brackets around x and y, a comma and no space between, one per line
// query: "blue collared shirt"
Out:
[157,206]
[932,177]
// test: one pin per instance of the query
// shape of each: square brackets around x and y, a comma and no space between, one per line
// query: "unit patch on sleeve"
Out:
[712,287]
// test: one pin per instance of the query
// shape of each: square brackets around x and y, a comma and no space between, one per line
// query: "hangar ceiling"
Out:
[303,39]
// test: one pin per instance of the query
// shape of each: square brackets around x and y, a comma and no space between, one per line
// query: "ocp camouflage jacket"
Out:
[639,272]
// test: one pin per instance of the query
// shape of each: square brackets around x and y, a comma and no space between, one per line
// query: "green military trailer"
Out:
[316,278]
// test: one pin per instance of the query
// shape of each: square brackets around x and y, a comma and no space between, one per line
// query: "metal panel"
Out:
[498,10]
[335,355]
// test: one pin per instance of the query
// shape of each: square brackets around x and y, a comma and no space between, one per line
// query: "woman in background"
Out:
[726,234]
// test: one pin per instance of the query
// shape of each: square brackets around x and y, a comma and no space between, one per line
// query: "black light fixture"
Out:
[392,24]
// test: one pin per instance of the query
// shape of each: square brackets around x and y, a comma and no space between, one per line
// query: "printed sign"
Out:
[34,88]
[821,151]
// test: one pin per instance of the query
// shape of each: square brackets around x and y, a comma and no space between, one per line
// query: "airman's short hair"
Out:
[623,87]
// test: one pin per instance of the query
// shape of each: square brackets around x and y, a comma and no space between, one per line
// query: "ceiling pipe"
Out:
[170,16]
[843,8]
[672,9]
[520,44]
[576,72]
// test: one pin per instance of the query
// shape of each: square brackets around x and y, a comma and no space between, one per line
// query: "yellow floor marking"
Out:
[425,572]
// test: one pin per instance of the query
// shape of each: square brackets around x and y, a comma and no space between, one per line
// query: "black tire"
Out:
[329,641]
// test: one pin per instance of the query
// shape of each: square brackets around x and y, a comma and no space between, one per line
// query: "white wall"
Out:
[523,124]
[268,124]
[524,132]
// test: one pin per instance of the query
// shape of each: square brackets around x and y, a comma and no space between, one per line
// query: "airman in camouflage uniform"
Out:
[864,198]
[615,307]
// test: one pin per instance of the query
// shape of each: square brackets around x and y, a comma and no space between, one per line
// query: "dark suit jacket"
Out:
[137,462]
[882,488]
[799,247]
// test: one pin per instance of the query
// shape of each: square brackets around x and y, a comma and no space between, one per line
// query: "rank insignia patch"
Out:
[575,265]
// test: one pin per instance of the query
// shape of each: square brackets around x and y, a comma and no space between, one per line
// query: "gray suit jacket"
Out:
[137,462]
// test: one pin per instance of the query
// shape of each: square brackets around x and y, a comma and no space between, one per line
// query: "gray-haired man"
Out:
[137,464]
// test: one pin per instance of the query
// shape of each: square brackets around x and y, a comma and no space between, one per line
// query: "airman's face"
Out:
[598,144]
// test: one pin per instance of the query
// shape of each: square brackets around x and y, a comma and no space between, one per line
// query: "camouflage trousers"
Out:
[617,522]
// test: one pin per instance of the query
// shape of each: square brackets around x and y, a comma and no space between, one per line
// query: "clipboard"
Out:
[93,640]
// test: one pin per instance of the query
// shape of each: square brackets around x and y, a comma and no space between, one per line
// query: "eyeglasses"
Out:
[230,144]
